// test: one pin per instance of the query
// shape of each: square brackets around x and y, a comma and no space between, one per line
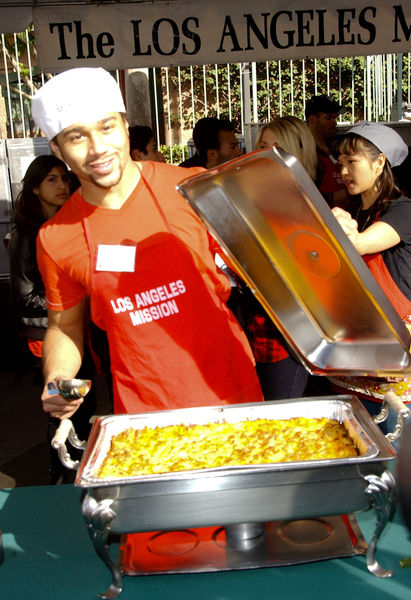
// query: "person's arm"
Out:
[62,356]
[377,237]
[27,287]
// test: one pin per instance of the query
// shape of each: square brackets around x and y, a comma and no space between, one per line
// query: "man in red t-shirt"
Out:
[128,242]
[321,113]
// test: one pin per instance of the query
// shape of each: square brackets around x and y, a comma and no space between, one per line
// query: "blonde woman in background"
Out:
[293,136]
[281,375]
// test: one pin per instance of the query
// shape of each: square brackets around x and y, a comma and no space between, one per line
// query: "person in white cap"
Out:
[128,241]
[379,218]
[379,226]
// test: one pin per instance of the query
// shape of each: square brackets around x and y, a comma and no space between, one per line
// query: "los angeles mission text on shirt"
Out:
[152,304]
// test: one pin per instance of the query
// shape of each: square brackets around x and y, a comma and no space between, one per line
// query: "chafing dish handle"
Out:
[383,493]
[391,400]
[98,517]
[66,430]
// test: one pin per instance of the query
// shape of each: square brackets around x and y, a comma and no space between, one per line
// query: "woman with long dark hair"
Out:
[47,184]
[45,189]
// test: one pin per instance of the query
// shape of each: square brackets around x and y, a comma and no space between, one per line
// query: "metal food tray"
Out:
[277,231]
[241,499]
[110,426]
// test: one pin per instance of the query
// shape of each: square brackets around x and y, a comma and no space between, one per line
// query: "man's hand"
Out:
[56,405]
[62,355]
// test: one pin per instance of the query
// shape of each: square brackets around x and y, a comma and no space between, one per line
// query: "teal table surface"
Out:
[49,556]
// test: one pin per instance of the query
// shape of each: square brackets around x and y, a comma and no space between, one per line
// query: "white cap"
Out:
[84,94]
[388,141]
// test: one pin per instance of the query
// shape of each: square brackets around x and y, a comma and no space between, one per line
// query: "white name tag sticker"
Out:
[116,258]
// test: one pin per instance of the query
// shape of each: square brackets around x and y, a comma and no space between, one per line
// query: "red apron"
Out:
[374,388]
[400,302]
[172,343]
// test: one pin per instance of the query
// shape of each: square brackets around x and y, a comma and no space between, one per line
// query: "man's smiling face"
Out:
[96,151]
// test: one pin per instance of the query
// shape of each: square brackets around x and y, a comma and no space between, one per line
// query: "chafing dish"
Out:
[110,426]
[236,497]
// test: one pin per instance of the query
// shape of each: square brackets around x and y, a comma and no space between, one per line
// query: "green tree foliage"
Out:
[174,154]
[282,87]
[17,48]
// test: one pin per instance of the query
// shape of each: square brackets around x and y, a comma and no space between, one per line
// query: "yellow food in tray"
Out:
[147,451]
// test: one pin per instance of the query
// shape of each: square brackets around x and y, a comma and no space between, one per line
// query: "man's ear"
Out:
[125,120]
[137,155]
[56,150]
[212,157]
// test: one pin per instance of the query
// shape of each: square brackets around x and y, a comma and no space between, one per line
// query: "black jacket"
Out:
[193,161]
[28,294]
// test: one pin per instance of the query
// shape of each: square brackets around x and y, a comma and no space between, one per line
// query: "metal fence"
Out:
[373,88]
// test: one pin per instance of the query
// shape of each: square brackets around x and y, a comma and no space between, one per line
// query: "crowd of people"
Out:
[103,242]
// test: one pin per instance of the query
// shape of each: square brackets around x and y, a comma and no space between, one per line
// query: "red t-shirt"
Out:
[63,255]
[64,262]
[331,180]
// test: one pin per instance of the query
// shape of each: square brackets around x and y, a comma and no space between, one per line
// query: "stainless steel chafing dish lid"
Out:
[277,230]
[344,409]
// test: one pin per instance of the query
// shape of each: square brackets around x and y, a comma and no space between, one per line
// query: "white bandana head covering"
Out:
[84,94]
[386,139]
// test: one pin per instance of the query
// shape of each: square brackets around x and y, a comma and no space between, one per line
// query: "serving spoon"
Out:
[70,389]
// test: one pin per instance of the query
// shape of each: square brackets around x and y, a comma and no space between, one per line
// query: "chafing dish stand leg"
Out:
[98,517]
[382,491]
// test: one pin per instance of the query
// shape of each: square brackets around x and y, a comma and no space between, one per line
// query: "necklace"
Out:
[364,216]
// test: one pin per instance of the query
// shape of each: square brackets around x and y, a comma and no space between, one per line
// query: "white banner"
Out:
[186,32]
[14,18]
